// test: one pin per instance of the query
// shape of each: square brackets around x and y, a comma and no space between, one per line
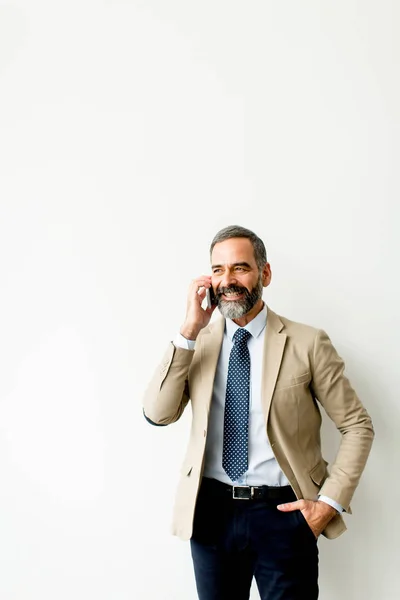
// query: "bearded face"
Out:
[235,309]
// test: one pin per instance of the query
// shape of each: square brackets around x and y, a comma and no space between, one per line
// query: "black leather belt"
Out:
[248,492]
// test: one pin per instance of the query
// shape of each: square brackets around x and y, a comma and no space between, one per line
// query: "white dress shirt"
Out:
[263,468]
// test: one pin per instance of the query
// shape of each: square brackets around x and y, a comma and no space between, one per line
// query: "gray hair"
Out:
[235,231]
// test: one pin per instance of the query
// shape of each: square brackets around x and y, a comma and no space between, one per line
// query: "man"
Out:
[255,493]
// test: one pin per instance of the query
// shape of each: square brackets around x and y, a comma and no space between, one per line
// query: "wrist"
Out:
[189,332]
[327,508]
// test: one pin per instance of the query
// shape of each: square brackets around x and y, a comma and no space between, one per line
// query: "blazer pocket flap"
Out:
[287,382]
[318,473]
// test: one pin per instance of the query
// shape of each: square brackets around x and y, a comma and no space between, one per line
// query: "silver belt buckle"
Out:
[247,487]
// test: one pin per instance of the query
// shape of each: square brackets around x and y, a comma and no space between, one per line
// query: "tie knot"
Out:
[241,336]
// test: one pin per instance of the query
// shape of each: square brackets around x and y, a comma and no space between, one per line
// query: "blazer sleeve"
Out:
[333,390]
[168,392]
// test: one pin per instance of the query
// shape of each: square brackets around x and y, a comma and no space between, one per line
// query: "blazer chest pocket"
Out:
[284,383]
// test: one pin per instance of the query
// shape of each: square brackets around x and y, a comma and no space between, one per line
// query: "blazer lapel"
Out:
[274,344]
[211,342]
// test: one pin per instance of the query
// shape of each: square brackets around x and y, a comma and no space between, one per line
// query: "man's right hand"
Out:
[196,317]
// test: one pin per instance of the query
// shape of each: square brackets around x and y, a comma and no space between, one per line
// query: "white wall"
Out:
[131,131]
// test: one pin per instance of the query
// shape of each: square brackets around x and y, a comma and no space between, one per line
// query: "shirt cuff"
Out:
[332,503]
[182,342]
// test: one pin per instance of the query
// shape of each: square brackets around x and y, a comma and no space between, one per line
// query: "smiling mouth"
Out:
[232,296]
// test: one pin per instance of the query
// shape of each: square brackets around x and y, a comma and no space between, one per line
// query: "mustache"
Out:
[232,288]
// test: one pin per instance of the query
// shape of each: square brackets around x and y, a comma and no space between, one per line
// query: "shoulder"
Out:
[294,329]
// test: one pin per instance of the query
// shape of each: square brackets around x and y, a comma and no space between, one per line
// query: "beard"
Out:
[235,309]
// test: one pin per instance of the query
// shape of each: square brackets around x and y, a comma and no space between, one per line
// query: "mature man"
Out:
[255,492]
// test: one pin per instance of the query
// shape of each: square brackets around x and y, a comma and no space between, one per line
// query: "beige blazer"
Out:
[301,371]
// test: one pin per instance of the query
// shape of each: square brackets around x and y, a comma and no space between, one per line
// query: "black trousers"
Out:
[234,540]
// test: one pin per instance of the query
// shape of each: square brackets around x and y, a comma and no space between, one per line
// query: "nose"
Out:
[228,279]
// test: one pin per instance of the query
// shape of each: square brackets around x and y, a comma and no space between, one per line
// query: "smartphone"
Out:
[211,298]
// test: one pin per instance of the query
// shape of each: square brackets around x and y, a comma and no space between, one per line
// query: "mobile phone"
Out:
[211,298]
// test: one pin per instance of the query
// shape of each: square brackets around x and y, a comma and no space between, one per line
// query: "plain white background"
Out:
[130,132]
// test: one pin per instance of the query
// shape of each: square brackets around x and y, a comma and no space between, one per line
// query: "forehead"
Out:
[234,250]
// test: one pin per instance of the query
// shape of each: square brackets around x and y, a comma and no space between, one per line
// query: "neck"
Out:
[242,322]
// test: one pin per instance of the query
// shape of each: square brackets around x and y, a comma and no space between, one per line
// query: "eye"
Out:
[217,271]
[239,269]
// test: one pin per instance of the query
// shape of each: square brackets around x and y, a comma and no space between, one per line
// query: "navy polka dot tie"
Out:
[236,420]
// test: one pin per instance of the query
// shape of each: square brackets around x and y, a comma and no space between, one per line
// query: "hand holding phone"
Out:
[196,316]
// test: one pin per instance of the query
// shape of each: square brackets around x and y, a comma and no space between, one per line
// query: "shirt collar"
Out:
[255,327]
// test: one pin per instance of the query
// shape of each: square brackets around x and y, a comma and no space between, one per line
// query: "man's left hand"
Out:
[316,512]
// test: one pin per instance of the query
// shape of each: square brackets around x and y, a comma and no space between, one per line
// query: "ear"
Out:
[266,275]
